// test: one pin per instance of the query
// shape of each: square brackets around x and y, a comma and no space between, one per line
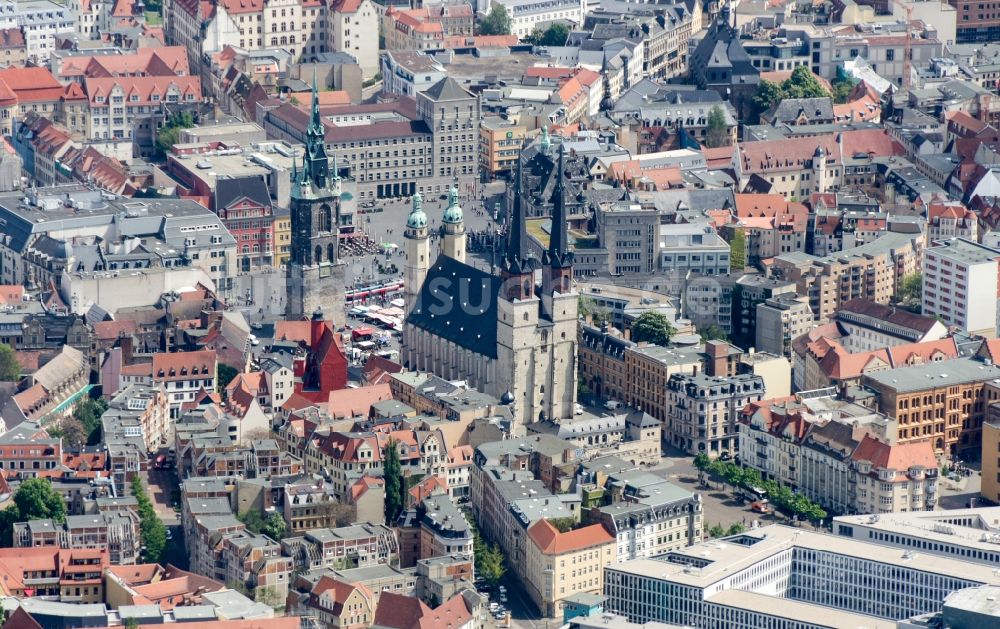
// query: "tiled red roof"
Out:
[184,365]
[898,457]
[550,541]
[345,6]
[145,88]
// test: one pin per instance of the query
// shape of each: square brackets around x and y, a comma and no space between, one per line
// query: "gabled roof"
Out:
[230,191]
[550,541]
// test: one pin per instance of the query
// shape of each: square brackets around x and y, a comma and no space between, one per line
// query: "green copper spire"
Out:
[417,218]
[453,213]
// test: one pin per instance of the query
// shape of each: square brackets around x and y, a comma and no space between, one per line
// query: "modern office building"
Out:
[963,534]
[787,577]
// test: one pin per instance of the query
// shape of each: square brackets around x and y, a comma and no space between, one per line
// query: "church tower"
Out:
[315,275]
[560,305]
[418,252]
[453,228]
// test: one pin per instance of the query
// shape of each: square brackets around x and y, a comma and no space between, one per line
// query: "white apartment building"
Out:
[527,15]
[780,320]
[353,28]
[280,381]
[960,285]
[779,576]
[963,534]
[706,411]
[41,21]
[656,517]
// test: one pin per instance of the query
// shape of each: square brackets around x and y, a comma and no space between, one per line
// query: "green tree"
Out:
[702,462]
[738,250]
[496,22]
[842,88]
[392,473]
[151,529]
[716,531]
[170,132]
[35,499]
[587,307]
[803,84]
[564,525]
[253,520]
[555,35]
[226,375]
[717,132]
[910,291]
[88,413]
[490,565]
[274,527]
[268,596]
[131,623]
[767,95]
[712,333]
[71,431]
[736,528]
[10,369]
[653,327]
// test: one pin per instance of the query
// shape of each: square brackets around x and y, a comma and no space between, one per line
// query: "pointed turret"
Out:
[315,162]
[557,271]
[518,265]
[558,254]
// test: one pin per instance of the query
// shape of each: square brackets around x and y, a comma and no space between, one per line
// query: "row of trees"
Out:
[151,528]
[488,558]
[791,503]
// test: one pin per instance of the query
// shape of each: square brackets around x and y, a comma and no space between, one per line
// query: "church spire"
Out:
[556,255]
[315,162]
[517,235]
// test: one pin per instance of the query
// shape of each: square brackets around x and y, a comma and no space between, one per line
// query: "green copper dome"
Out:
[417,219]
[453,213]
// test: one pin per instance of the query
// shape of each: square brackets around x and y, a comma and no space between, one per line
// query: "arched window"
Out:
[319,255]
[325,218]
[329,252]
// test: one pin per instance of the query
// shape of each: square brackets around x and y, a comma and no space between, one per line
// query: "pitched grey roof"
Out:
[446,89]
[788,110]
[230,190]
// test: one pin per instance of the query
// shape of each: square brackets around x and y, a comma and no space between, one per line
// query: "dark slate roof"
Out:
[229,191]
[458,303]
[820,108]
[446,89]
[721,48]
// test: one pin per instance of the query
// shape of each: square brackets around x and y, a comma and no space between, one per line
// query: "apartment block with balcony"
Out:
[359,545]
[116,533]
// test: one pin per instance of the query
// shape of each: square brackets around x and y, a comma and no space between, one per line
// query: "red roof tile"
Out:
[551,542]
